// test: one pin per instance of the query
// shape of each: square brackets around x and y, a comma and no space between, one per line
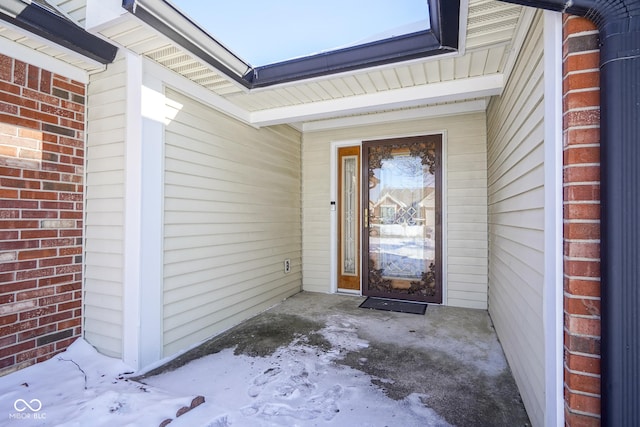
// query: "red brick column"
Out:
[581,101]
[41,212]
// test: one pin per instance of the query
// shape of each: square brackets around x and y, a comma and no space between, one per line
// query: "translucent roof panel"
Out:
[268,32]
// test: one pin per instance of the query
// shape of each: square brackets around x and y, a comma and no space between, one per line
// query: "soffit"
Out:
[76,10]
[489,47]
[43,46]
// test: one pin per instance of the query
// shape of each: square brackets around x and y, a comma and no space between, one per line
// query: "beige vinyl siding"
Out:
[231,218]
[465,176]
[516,220]
[104,212]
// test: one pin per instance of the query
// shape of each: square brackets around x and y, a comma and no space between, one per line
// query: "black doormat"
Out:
[394,305]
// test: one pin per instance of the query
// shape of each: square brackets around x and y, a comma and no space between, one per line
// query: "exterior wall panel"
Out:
[231,218]
[516,220]
[104,223]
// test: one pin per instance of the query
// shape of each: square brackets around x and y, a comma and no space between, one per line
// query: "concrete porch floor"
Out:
[449,357]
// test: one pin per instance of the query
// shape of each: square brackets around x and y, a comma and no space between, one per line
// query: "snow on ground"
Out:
[80,387]
[298,385]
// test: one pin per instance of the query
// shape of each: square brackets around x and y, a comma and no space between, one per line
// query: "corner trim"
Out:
[553,301]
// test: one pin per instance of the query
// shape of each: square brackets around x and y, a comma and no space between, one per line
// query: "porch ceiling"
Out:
[490,38]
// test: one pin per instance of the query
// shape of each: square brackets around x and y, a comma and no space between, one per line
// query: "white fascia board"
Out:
[102,13]
[455,90]
[44,61]
[474,106]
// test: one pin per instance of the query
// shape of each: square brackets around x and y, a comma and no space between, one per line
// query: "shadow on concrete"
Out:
[450,357]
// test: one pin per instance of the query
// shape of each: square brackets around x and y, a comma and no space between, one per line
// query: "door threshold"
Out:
[349,292]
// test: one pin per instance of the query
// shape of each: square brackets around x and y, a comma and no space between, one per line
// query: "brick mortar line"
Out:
[580,90]
[580,33]
[582,393]
[582,373]
[580,165]
[580,297]
[581,202]
[582,354]
[585,278]
[570,184]
[579,412]
[581,127]
[582,335]
[570,74]
[591,145]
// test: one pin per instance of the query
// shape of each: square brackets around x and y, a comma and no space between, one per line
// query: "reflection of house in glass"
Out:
[402,229]
[404,206]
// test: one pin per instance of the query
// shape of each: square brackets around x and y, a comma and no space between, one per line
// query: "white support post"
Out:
[144,154]
[153,102]
[132,213]
[152,228]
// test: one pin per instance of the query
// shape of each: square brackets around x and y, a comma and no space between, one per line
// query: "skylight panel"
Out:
[264,33]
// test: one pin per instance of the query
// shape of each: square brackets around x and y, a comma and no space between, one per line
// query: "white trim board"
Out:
[144,154]
[152,227]
[457,90]
[132,214]
[465,107]
[553,250]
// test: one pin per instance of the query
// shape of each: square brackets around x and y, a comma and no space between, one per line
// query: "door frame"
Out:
[333,194]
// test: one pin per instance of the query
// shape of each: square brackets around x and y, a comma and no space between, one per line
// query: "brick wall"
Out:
[41,211]
[581,222]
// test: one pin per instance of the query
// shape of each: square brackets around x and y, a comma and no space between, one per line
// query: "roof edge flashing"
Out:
[395,49]
[175,25]
[44,23]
